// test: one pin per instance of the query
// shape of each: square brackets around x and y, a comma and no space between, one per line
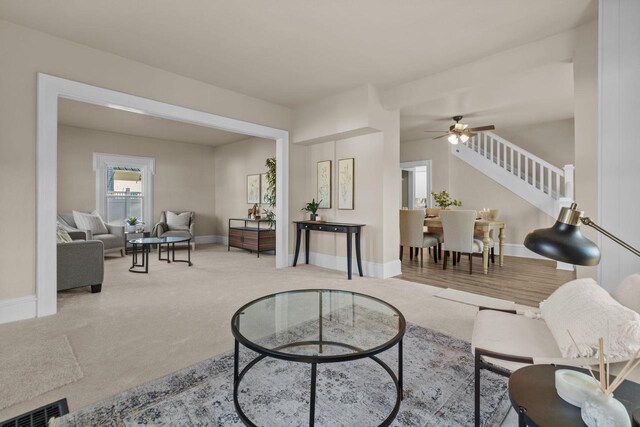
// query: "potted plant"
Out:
[270,197]
[132,221]
[444,200]
[312,208]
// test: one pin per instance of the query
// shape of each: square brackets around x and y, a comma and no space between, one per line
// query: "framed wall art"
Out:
[345,183]
[253,189]
[264,188]
[324,184]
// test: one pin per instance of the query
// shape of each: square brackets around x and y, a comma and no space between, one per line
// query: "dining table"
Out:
[484,227]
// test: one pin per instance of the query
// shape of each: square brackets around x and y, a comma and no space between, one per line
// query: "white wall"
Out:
[184,178]
[551,141]
[619,99]
[25,53]
[232,163]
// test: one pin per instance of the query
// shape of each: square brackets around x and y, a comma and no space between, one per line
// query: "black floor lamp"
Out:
[564,242]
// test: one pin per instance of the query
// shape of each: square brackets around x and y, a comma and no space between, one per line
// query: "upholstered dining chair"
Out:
[457,228]
[413,235]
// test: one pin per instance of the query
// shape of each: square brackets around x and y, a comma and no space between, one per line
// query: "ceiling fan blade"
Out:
[437,131]
[441,136]
[482,128]
[470,134]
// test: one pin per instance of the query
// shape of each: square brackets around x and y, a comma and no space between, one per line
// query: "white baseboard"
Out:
[211,239]
[371,269]
[17,309]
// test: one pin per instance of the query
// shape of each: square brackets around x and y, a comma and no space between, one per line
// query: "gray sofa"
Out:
[80,263]
[113,242]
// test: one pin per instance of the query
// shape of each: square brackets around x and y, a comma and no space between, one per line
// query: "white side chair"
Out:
[413,235]
[457,228]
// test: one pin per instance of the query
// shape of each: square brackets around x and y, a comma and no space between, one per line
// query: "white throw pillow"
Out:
[627,292]
[178,221]
[91,222]
[589,313]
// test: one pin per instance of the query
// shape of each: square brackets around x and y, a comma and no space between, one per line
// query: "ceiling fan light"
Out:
[464,138]
[453,139]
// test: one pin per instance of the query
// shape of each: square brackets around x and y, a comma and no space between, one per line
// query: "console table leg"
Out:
[312,405]
[349,250]
[358,257]
[307,235]
[295,258]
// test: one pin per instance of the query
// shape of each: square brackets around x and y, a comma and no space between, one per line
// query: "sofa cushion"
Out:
[110,241]
[587,310]
[178,221]
[92,222]
[62,235]
[627,292]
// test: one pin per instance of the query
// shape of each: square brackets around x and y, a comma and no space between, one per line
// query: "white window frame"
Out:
[147,166]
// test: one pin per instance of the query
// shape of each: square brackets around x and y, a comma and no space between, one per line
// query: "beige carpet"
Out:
[29,370]
[144,326]
[475,300]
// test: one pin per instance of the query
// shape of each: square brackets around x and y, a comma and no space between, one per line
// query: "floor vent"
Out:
[39,417]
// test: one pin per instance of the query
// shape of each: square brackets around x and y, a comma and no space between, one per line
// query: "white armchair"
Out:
[505,340]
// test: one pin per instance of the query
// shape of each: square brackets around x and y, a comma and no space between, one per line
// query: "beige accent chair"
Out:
[457,229]
[413,234]
[162,229]
[506,340]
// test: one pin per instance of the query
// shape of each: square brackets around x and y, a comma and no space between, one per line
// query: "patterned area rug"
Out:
[438,391]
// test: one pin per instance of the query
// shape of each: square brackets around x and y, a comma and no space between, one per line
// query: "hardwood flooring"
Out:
[523,280]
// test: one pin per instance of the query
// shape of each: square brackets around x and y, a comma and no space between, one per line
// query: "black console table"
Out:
[332,227]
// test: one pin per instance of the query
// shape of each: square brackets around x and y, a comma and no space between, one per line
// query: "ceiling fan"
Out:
[460,132]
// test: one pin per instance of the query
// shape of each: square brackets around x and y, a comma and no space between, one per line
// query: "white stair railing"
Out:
[537,181]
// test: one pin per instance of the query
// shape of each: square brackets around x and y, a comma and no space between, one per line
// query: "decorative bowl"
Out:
[575,387]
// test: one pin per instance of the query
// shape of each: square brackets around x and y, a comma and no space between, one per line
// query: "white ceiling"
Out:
[539,95]
[80,114]
[292,51]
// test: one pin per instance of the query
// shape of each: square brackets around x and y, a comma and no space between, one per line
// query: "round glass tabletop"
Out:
[158,240]
[318,325]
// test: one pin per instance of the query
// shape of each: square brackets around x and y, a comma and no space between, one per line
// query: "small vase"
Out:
[131,228]
[601,410]
[312,216]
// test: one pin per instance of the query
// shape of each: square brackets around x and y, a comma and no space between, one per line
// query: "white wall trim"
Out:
[15,309]
[370,269]
[50,89]
[148,167]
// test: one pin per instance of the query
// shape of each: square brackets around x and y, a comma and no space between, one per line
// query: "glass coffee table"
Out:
[142,246]
[317,326]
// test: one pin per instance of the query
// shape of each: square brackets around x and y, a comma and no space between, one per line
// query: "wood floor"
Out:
[523,280]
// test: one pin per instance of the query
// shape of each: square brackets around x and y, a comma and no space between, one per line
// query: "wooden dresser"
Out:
[245,233]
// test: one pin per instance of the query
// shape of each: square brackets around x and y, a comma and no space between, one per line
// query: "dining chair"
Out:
[457,227]
[413,235]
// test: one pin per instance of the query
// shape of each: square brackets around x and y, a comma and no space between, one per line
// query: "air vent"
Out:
[39,417]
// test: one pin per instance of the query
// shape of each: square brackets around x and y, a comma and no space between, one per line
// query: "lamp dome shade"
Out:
[564,243]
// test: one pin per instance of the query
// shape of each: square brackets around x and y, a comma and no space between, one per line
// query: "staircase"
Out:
[540,183]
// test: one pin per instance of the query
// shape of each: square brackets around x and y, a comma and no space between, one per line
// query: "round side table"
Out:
[533,395]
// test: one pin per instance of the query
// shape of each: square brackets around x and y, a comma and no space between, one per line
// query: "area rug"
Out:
[52,364]
[438,391]
[475,299]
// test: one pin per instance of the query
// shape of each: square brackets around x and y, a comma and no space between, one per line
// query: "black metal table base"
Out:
[142,265]
[239,375]
[173,253]
[137,267]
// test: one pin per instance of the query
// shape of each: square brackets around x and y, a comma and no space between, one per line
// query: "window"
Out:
[124,187]
[124,193]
